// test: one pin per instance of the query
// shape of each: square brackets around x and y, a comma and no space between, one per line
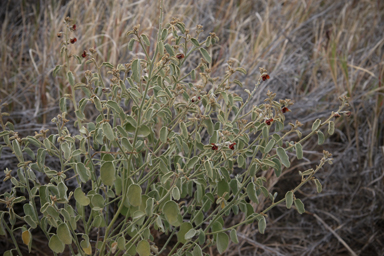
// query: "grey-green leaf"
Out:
[171,211]
[163,134]
[145,39]
[233,236]
[143,248]
[56,244]
[136,70]
[299,206]
[269,146]
[283,157]
[107,173]
[320,137]
[134,195]
[316,124]
[331,127]
[195,42]
[262,225]
[299,150]
[169,49]
[251,192]
[222,242]
[64,234]
[289,199]
[107,129]
[81,198]
[71,79]
[206,55]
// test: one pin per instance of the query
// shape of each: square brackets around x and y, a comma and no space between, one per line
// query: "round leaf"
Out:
[171,211]
[134,195]
[64,234]
[107,173]
[56,245]
[81,198]
[143,248]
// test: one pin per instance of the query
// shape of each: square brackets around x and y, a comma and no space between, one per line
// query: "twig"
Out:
[335,234]
[256,244]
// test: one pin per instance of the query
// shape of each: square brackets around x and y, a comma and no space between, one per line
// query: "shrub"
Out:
[162,154]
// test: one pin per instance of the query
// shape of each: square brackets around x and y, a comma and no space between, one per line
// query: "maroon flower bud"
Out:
[214,147]
[73,40]
[336,115]
[74,27]
[232,146]
[264,76]
[180,56]
[285,109]
[84,54]
[199,98]
[269,121]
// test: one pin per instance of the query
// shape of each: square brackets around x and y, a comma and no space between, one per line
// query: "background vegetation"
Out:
[314,51]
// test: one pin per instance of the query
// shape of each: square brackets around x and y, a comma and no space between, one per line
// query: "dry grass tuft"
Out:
[314,51]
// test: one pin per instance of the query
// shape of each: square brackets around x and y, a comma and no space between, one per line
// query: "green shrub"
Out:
[161,153]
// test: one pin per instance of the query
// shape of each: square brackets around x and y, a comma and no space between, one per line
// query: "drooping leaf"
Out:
[289,199]
[262,225]
[222,242]
[184,228]
[251,192]
[331,127]
[316,124]
[206,55]
[136,70]
[163,134]
[233,236]
[299,206]
[64,234]
[107,129]
[299,151]
[283,157]
[320,137]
